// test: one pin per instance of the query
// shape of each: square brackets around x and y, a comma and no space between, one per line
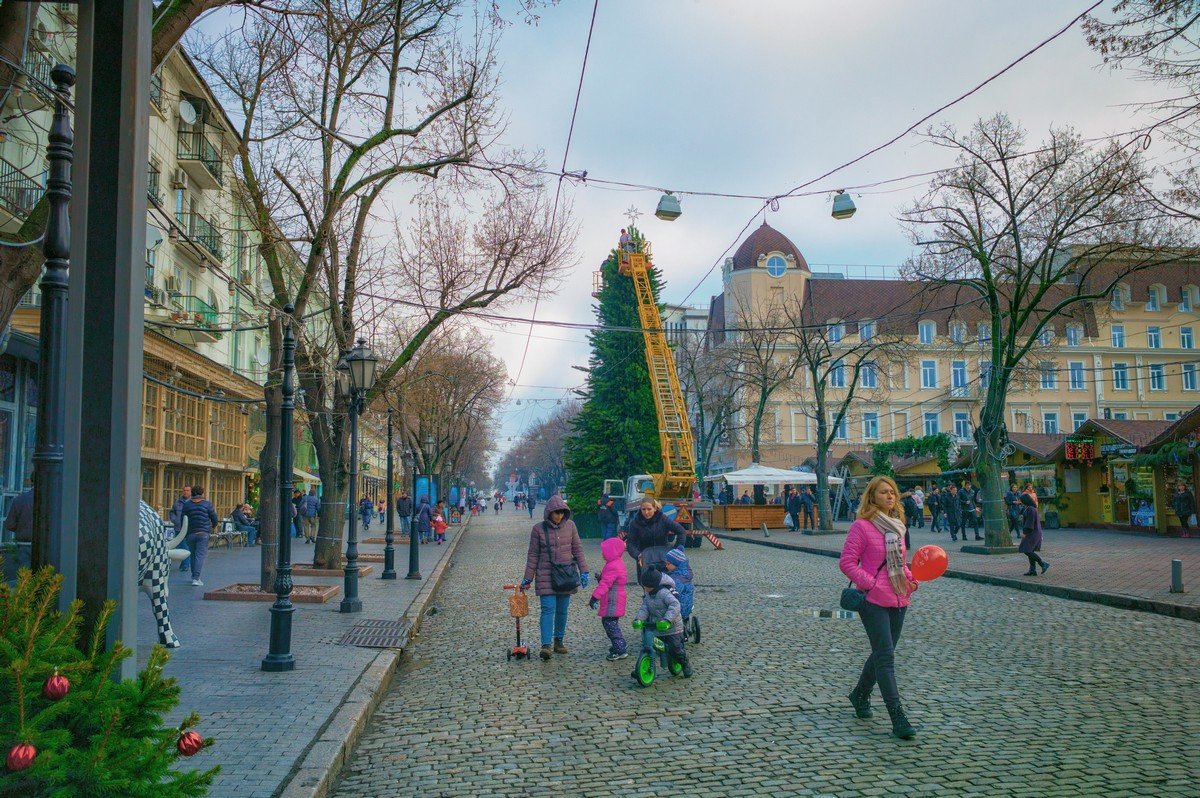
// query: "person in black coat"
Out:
[793,508]
[650,534]
[953,511]
[1184,505]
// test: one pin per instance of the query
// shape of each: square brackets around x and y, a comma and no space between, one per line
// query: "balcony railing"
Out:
[18,191]
[195,146]
[203,232]
[38,65]
[196,310]
[154,185]
[150,289]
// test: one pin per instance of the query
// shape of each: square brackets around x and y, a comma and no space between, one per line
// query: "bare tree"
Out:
[539,454]
[704,375]
[1033,237]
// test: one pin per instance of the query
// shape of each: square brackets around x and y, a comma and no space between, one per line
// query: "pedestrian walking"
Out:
[381,508]
[1031,540]
[934,500]
[1013,509]
[953,511]
[310,514]
[201,519]
[438,523]
[608,599]
[649,534]
[176,518]
[606,512]
[553,544]
[297,524]
[424,519]
[968,498]
[794,506]
[1184,504]
[910,508]
[873,557]
[808,504]
[530,505]
[919,500]
[366,509]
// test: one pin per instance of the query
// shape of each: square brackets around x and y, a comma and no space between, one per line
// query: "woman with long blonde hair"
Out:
[874,543]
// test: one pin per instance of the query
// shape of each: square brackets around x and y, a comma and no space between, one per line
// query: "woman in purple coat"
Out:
[555,540]
[1031,539]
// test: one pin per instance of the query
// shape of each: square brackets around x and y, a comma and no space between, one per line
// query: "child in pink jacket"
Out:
[609,595]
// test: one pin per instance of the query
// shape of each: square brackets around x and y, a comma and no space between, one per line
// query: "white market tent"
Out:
[755,474]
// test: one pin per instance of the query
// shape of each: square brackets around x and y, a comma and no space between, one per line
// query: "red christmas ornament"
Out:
[20,756]
[189,743]
[55,687]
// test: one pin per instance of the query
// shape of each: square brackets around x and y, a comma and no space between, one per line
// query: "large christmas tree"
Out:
[66,726]
[616,431]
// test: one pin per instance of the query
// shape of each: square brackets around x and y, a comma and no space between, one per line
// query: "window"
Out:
[1046,336]
[1186,341]
[870,426]
[1152,299]
[932,427]
[926,330]
[799,426]
[1154,338]
[1076,380]
[928,373]
[1074,335]
[1170,416]
[837,374]
[1118,336]
[866,330]
[1117,302]
[1050,423]
[1078,420]
[958,377]
[962,426]
[1049,376]
[776,266]
[1158,379]
[1189,376]
[836,331]
[985,373]
[985,333]
[1120,378]
[1185,299]
[840,430]
[869,376]
[1120,415]
[958,332]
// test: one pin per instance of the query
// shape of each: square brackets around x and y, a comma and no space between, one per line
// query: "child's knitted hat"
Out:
[650,577]
[676,558]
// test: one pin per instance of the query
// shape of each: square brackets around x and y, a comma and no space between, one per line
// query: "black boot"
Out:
[900,725]
[861,703]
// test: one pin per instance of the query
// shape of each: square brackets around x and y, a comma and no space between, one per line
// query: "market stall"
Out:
[753,516]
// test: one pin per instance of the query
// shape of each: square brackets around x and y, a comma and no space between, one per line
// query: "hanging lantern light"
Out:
[668,208]
[843,206]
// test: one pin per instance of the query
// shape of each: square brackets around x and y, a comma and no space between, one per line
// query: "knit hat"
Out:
[676,558]
[650,577]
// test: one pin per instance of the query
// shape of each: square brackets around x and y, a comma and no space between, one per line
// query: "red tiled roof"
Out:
[763,240]
[1138,433]
[1184,425]
[1037,444]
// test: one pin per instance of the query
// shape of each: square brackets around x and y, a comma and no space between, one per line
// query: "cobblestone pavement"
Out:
[264,723]
[1015,694]
[1088,559]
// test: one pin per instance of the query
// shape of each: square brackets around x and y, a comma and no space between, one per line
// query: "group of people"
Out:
[952,508]
[655,542]
[802,503]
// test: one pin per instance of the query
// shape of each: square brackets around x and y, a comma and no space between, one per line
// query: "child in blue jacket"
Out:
[680,570]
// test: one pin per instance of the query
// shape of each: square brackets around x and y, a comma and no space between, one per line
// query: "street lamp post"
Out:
[279,657]
[356,376]
[414,553]
[389,553]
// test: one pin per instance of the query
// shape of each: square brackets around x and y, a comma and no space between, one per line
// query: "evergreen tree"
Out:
[94,736]
[616,431]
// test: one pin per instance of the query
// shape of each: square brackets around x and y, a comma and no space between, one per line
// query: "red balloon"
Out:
[929,562]
[189,743]
[20,756]
[55,687]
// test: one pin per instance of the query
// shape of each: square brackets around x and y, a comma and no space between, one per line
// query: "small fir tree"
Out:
[100,738]
[616,431]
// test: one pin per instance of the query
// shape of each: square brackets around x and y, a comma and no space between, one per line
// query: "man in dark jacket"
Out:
[201,519]
[1184,504]
[933,500]
[793,508]
[1013,510]
[607,513]
[19,522]
[952,509]
[310,514]
[968,497]
[404,509]
[910,508]
[650,534]
[808,503]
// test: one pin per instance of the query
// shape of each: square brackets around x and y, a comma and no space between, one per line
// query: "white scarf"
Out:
[893,530]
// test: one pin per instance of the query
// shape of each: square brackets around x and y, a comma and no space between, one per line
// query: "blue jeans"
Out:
[608,529]
[198,545]
[554,617]
[251,533]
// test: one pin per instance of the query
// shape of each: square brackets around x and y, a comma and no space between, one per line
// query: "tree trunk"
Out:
[825,511]
[172,20]
[990,439]
[268,503]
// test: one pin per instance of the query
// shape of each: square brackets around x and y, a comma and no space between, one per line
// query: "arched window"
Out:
[1074,334]
[1156,297]
[1119,295]
[837,331]
[1187,298]
[1046,336]
[926,330]
[958,332]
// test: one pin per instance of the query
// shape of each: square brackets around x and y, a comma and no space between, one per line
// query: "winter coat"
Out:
[424,515]
[952,507]
[310,506]
[808,501]
[1184,504]
[910,506]
[176,514]
[564,547]
[660,605]
[657,530]
[864,552]
[794,503]
[966,501]
[200,515]
[685,587]
[1031,539]
[366,507]
[606,511]
[610,588]
[19,520]
[404,506]
[240,519]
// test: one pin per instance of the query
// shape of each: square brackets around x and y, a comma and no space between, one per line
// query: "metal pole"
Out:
[1176,576]
[279,658]
[389,552]
[414,551]
[350,600]
[52,354]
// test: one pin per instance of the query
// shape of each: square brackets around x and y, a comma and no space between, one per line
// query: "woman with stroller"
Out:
[555,541]
[650,534]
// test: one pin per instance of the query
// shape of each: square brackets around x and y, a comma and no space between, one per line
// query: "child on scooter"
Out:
[680,570]
[609,595]
[660,604]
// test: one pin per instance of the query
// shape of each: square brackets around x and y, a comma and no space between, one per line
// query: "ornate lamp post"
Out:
[355,377]
[414,552]
[279,658]
[389,553]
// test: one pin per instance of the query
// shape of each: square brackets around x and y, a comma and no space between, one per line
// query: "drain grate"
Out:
[377,634]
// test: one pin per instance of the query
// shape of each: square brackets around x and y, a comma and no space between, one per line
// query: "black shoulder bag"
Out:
[564,578]
[852,597]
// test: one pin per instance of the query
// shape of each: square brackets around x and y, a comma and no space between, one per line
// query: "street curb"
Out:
[314,775]
[1116,600]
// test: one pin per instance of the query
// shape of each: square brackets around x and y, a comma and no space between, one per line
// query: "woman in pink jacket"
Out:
[874,559]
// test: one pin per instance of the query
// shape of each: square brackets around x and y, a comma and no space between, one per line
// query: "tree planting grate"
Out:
[377,634]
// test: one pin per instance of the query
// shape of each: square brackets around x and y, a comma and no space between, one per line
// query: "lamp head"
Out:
[362,362]
[342,374]
[843,206]
[668,208]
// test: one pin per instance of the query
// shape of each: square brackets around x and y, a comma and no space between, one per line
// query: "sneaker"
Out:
[615,657]
[687,672]
[197,583]
[1045,567]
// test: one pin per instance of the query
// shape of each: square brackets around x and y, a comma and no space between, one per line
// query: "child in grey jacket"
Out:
[659,603]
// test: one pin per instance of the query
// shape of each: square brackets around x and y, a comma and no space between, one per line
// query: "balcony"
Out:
[203,233]
[18,191]
[38,66]
[200,158]
[192,311]
[156,91]
[154,186]
[963,392]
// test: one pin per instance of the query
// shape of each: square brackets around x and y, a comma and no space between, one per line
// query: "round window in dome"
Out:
[776,266]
